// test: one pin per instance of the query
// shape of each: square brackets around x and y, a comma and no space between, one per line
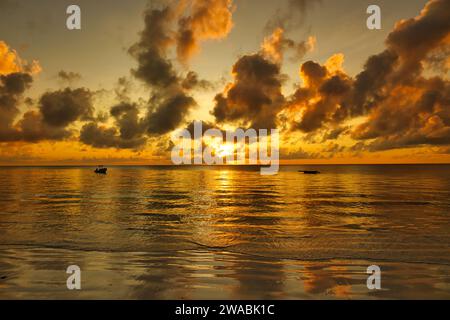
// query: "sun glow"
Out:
[224,150]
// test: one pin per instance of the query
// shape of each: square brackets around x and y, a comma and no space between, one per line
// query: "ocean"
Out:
[166,232]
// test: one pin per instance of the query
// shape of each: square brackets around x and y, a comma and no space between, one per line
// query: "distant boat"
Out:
[309,171]
[101,170]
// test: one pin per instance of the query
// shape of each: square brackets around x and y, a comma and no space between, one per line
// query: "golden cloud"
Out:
[10,62]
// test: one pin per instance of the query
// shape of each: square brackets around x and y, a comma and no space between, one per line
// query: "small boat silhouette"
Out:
[309,171]
[101,170]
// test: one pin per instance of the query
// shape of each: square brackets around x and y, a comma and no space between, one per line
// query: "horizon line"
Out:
[219,165]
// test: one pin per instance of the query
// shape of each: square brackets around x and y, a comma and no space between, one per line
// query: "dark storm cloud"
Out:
[102,137]
[366,91]
[314,116]
[34,129]
[169,113]
[99,136]
[14,84]
[169,103]
[12,87]
[127,120]
[63,107]
[254,98]
[31,127]
[154,67]
[128,132]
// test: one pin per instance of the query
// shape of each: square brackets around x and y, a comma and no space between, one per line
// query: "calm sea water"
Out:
[225,232]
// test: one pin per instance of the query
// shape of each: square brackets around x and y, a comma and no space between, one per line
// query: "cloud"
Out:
[439,60]
[298,154]
[333,149]
[10,62]
[369,82]
[102,137]
[170,102]
[31,127]
[319,99]
[409,109]
[335,133]
[402,107]
[69,76]
[205,126]
[274,46]
[400,98]
[169,112]
[128,132]
[254,97]
[63,107]
[205,20]
[34,129]
[123,89]
[127,119]
[15,79]
[12,87]
[208,19]
[154,68]
[413,39]
[412,115]
[192,81]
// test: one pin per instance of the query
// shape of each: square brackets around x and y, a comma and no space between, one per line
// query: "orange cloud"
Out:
[209,19]
[274,46]
[335,63]
[10,62]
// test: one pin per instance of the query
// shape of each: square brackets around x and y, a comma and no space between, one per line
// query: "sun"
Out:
[224,150]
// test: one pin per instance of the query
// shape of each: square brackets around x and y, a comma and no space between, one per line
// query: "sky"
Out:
[137,71]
